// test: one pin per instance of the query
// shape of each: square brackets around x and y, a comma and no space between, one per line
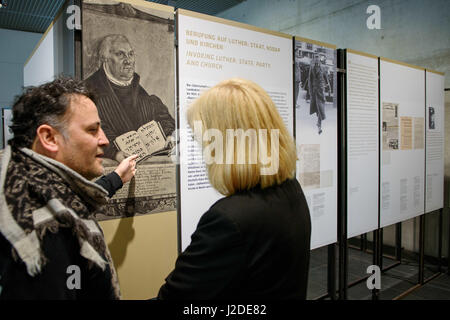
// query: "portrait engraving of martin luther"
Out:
[128,61]
[124,104]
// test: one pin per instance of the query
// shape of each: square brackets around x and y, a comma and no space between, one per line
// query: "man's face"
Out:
[121,60]
[316,60]
[82,147]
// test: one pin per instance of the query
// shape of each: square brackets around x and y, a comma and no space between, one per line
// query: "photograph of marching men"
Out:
[431,118]
[315,83]
[316,112]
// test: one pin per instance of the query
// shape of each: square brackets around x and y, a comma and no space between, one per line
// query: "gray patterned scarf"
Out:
[42,195]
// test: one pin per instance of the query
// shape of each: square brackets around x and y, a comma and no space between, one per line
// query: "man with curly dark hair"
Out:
[50,245]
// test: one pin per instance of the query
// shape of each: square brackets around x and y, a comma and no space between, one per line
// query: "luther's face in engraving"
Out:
[121,60]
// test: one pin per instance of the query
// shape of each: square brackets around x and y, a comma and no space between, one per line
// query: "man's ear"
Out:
[48,137]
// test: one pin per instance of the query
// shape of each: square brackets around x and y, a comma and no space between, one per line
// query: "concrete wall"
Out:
[412,31]
[16,47]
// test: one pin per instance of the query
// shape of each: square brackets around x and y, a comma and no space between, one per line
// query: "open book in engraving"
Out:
[148,140]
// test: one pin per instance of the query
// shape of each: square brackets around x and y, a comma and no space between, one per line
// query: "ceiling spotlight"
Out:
[3,4]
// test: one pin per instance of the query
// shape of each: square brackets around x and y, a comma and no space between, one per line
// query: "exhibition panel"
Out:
[135,85]
[134,80]
[402,104]
[362,121]
[435,139]
[211,50]
[53,55]
[316,132]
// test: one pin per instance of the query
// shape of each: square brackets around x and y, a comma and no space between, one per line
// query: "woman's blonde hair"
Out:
[242,104]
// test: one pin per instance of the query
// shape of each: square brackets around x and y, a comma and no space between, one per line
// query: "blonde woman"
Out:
[254,243]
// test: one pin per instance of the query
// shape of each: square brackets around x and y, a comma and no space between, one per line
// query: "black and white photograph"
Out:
[431,118]
[391,126]
[128,61]
[316,125]
[315,84]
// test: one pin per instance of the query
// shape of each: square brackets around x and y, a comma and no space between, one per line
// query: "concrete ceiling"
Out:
[36,15]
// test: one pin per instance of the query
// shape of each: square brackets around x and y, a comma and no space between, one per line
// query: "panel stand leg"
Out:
[364,242]
[380,249]
[441,213]
[398,241]
[78,54]
[448,243]
[421,249]
[331,277]
[375,259]
[343,257]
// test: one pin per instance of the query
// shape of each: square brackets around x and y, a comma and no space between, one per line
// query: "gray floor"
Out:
[394,282]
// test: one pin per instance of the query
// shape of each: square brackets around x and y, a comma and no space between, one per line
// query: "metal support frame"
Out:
[343,271]
[78,48]
[439,271]
[421,277]
[364,242]
[448,245]
[377,252]
[422,231]
[421,249]
[417,286]
[342,176]
[366,250]
[380,249]
[331,276]
[377,234]
[441,214]
[398,241]
[375,259]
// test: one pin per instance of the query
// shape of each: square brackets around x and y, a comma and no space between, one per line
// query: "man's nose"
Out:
[128,58]
[103,140]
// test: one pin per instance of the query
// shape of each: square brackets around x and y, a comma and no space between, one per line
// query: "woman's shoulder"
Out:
[256,201]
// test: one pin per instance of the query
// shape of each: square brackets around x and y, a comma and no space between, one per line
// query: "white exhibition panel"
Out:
[317,153]
[435,137]
[211,50]
[402,125]
[53,55]
[40,67]
[362,143]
